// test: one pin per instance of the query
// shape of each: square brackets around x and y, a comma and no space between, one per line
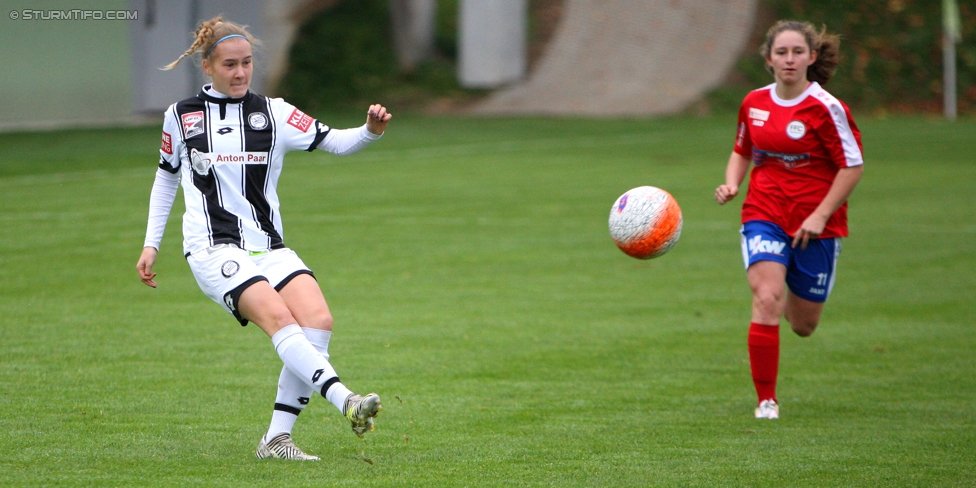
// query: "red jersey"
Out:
[797,146]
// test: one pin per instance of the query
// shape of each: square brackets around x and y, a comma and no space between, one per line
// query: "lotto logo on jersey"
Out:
[167,146]
[192,124]
[759,245]
[299,120]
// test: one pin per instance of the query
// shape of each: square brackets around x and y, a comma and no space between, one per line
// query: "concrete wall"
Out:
[63,72]
[491,42]
[631,57]
[81,71]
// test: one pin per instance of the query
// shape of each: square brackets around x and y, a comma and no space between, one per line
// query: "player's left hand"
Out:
[811,228]
[377,119]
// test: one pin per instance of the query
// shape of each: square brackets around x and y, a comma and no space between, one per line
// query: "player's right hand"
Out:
[145,265]
[377,119]
[724,193]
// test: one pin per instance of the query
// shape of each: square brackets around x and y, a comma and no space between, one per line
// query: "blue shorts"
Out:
[810,272]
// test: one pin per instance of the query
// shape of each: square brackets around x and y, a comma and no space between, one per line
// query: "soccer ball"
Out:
[645,222]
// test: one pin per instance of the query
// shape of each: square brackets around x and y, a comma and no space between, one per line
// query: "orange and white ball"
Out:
[645,222]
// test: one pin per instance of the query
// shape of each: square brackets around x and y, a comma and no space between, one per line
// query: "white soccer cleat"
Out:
[281,447]
[360,410]
[767,409]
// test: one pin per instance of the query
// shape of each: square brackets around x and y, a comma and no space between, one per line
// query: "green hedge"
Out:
[891,52]
[342,58]
[339,55]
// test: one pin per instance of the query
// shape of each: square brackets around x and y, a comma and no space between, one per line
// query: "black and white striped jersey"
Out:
[228,154]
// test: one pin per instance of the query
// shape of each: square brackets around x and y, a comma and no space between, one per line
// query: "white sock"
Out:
[337,396]
[319,339]
[302,359]
[293,394]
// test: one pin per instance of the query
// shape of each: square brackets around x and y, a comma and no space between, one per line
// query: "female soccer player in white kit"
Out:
[806,152]
[226,146]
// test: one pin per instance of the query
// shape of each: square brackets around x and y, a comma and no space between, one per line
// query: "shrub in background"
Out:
[342,58]
[891,53]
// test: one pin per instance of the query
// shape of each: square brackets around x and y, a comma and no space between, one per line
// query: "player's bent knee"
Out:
[803,315]
[282,317]
[803,328]
[321,320]
[768,303]
[802,331]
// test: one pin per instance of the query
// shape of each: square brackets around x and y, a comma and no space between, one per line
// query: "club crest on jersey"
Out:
[192,124]
[229,268]
[167,145]
[796,130]
[299,120]
[257,121]
[200,162]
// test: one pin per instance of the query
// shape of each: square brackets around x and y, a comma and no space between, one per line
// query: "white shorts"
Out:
[224,271]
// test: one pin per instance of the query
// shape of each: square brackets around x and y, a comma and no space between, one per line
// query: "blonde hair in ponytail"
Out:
[207,34]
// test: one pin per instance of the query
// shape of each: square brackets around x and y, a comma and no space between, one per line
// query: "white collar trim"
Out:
[209,90]
[814,86]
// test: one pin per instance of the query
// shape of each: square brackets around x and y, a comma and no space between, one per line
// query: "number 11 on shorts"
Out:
[821,279]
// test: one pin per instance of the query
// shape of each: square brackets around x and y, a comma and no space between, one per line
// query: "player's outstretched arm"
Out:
[735,172]
[377,119]
[145,266]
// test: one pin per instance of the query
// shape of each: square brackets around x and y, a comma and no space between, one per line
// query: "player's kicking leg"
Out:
[305,300]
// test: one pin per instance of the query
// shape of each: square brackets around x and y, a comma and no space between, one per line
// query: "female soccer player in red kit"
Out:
[806,152]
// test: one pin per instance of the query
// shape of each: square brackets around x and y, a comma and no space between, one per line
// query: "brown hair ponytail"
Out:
[827,47]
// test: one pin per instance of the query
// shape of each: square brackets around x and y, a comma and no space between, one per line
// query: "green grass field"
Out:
[476,289]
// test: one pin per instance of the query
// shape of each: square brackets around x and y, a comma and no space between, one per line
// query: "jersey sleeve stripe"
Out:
[852,152]
[321,130]
[165,166]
